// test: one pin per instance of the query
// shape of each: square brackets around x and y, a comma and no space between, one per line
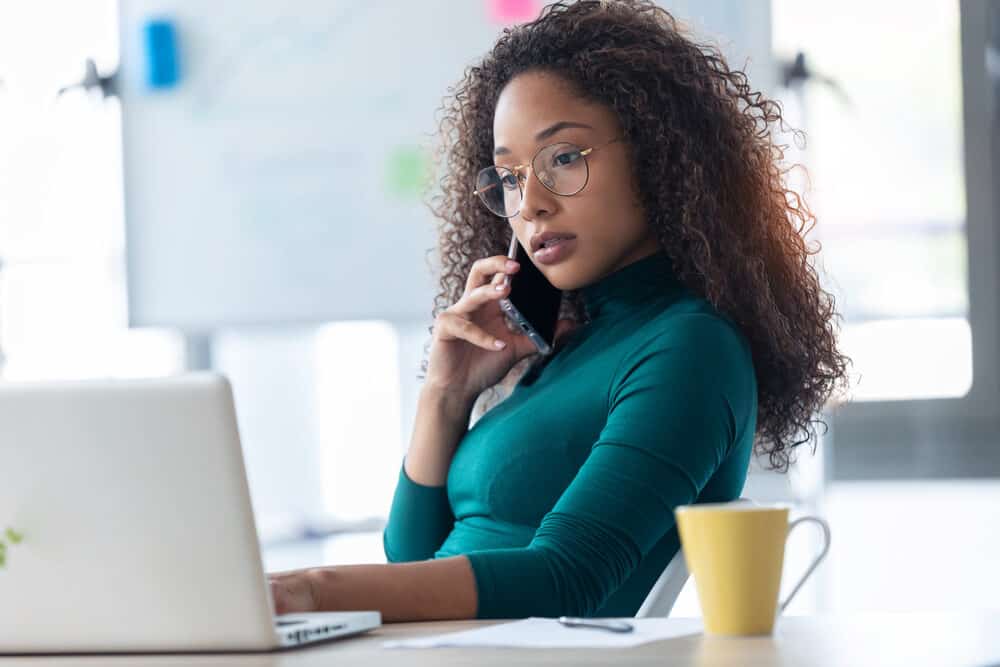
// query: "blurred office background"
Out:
[317,289]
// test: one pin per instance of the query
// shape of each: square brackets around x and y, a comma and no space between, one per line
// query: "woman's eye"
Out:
[509,181]
[565,158]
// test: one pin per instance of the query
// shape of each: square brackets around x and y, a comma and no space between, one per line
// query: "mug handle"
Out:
[826,547]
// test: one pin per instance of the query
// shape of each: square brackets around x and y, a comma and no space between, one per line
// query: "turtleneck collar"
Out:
[630,286]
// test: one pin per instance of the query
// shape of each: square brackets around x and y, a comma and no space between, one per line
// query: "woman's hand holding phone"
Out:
[464,356]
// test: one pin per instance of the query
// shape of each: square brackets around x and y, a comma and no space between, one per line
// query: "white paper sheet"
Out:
[538,632]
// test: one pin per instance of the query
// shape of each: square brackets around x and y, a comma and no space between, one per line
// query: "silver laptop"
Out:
[127,524]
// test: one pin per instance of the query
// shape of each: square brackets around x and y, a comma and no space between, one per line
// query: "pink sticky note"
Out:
[513,11]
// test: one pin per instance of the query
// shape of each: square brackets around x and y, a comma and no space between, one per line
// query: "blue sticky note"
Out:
[160,39]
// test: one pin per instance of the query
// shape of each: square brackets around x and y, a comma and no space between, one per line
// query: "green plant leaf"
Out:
[14,537]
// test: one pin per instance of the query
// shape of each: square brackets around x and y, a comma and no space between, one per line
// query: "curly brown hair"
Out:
[710,179]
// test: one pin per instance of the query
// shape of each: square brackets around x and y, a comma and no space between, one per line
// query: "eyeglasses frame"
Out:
[584,152]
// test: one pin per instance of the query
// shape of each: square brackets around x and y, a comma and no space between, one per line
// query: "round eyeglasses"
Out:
[562,168]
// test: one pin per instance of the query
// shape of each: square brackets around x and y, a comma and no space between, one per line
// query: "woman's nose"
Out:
[536,200]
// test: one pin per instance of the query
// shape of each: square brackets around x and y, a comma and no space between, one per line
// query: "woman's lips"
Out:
[556,251]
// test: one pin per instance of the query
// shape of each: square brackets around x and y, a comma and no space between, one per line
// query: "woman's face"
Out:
[537,109]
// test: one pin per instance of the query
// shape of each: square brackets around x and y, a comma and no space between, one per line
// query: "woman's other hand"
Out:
[295,591]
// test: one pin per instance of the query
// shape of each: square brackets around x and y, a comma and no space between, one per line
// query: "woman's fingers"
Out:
[450,325]
[483,269]
[485,276]
[292,593]
[473,300]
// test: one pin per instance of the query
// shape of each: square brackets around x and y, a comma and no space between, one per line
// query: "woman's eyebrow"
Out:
[546,133]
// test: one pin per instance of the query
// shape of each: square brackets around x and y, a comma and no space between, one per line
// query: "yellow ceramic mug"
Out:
[735,551]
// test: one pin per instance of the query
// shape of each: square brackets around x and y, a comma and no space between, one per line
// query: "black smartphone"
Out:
[533,302]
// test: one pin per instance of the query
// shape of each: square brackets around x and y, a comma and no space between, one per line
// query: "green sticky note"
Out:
[407,172]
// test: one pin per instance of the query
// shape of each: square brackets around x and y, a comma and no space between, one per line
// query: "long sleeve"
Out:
[674,409]
[419,520]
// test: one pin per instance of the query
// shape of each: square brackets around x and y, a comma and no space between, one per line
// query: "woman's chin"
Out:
[563,276]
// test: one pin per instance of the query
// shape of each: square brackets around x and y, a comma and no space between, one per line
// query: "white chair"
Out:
[664,592]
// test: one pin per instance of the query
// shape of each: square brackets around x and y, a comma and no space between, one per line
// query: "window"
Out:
[62,289]
[885,154]
[903,185]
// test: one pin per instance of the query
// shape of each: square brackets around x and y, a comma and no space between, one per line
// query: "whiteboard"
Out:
[274,183]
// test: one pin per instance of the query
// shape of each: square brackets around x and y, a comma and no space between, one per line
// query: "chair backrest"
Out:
[664,592]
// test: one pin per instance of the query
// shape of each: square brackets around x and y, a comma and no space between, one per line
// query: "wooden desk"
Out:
[892,638]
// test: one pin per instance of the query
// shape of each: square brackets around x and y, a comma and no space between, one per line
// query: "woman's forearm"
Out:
[439,589]
[441,421]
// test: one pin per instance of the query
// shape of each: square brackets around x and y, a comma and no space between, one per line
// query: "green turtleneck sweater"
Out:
[562,496]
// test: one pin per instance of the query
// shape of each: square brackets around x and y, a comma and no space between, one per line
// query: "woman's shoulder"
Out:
[691,327]
[688,360]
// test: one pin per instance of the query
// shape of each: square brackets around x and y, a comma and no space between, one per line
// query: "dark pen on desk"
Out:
[602,624]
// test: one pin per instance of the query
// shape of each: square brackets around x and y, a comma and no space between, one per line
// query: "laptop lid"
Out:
[137,532]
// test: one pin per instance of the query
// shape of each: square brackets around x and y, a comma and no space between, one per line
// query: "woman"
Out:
[693,327]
